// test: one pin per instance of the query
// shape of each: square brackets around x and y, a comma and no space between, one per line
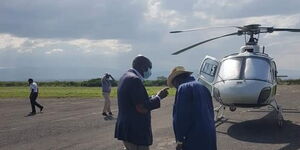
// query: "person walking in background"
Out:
[34,90]
[133,125]
[193,113]
[106,89]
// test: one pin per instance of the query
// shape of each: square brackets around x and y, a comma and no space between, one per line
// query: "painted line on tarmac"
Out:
[79,102]
[75,117]
[10,129]
[79,116]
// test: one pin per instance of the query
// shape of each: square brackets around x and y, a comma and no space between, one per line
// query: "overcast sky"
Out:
[83,39]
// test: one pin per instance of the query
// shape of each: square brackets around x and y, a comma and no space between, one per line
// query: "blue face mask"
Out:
[147,74]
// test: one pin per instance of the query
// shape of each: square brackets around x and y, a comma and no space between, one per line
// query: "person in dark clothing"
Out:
[193,113]
[133,125]
[33,96]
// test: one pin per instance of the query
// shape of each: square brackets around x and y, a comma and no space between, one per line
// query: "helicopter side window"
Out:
[209,69]
[230,69]
[257,69]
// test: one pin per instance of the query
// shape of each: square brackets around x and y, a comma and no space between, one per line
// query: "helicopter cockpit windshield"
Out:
[230,69]
[245,68]
[257,69]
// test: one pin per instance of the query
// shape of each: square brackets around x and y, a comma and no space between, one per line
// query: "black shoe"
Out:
[41,109]
[31,114]
[104,114]
[110,113]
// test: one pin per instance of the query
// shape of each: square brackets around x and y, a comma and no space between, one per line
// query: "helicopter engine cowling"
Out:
[243,93]
[250,48]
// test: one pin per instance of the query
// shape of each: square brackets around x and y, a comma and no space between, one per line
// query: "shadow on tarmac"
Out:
[32,115]
[266,130]
[107,118]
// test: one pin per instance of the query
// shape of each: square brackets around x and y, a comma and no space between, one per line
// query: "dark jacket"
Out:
[193,116]
[133,126]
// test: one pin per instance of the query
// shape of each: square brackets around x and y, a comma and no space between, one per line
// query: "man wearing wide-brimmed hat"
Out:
[193,115]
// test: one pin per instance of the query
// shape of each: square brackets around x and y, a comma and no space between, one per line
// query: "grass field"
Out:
[66,92]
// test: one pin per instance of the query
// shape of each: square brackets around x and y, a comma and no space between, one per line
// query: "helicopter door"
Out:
[208,70]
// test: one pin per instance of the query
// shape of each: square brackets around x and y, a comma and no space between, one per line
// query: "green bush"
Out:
[10,84]
[160,81]
[91,83]
[291,81]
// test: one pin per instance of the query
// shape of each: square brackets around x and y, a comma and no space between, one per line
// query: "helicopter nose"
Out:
[242,92]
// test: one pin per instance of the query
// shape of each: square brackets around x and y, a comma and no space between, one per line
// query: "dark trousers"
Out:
[33,102]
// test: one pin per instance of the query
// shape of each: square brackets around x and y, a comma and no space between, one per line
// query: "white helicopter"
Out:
[245,79]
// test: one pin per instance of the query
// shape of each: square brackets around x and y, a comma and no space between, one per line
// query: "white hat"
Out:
[176,72]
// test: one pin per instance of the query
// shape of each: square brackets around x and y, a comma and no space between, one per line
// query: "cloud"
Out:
[50,35]
[23,45]
[105,19]
[54,51]
[9,41]
[1,68]
[111,46]
[20,44]
[246,8]
[271,20]
[156,12]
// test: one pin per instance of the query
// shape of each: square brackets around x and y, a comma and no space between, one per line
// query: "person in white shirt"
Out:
[106,89]
[34,90]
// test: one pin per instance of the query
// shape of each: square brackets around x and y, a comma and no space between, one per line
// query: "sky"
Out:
[82,39]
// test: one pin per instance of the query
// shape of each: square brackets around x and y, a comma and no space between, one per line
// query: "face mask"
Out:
[147,74]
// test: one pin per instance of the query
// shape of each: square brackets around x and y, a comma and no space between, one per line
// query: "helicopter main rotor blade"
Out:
[205,28]
[187,48]
[285,29]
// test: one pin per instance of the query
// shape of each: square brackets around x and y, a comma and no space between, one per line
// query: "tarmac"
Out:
[77,124]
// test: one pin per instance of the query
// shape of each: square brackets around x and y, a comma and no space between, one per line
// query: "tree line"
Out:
[160,81]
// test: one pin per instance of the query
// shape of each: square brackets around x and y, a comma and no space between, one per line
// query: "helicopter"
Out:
[247,79]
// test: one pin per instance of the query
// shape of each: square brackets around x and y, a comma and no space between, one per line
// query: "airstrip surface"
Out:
[77,124]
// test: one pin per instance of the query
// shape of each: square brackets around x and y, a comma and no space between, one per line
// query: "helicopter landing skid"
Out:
[279,115]
[219,112]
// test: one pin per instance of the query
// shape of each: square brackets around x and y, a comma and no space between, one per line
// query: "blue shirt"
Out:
[193,116]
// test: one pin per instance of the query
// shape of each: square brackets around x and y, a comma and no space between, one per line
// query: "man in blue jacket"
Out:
[193,114]
[133,125]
